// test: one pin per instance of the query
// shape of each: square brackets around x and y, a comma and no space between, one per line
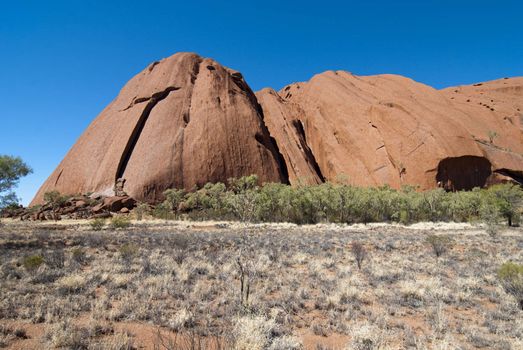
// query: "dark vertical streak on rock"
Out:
[275,151]
[280,160]
[58,177]
[272,146]
[180,142]
[309,156]
[194,76]
[135,135]
[265,139]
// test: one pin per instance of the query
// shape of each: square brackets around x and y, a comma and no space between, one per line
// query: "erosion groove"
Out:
[135,135]
[265,139]
[311,159]
[272,147]
[280,160]
[58,177]
[517,176]
[186,117]
[194,77]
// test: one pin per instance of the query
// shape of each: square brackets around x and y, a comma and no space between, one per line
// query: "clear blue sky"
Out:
[62,62]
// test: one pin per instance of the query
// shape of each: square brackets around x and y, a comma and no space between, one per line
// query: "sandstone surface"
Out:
[187,120]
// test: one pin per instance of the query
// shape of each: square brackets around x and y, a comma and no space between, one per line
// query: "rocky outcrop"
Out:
[388,129]
[187,120]
[77,207]
[114,204]
[283,122]
[183,121]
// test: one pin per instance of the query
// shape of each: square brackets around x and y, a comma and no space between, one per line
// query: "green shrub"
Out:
[164,212]
[271,204]
[141,210]
[243,205]
[97,224]
[128,251]
[78,255]
[32,263]
[55,198]
[511,278]
[243,184]
[440,244]
[210,197]
[508,199]
[11,170]
[465,206]
[173,198]
[489,214]
[119,222]
[244,199]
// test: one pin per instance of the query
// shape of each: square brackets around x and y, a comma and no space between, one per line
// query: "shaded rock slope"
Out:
[187,120]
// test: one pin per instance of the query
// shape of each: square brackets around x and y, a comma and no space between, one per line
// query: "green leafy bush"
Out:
[55,198]
[32,263]
[244,199]
[163,211]
[128,251]
[97,224]
[141,210]
[119,222]
[511,277]
[507,198]
[11,170]
[173,198]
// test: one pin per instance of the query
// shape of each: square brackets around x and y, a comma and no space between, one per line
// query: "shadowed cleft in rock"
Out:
[152,101]
[463,173]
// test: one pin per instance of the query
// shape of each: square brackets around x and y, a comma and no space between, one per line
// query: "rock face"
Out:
[187,120]
[181,122]
[388,129]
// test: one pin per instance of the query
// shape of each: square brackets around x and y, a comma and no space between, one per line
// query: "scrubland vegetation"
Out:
[180,285]
[351,281]
[242,199]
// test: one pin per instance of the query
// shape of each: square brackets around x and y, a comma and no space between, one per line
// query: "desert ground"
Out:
[222,285]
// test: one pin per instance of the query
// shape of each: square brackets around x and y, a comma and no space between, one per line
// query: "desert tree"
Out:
[11,170]
[508,199]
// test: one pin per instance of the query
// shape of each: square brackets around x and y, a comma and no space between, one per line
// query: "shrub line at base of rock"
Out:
[337,202]
[243,200]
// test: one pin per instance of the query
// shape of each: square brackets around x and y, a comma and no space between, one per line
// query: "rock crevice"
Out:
[135,135]
[309,155]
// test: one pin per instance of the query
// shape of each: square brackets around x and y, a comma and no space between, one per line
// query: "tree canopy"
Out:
[11,170]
